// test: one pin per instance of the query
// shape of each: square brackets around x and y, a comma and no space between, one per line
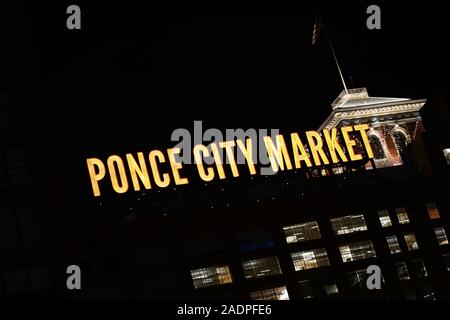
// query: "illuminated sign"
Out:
[136,171]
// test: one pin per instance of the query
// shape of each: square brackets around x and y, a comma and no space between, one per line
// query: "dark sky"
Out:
[133,74]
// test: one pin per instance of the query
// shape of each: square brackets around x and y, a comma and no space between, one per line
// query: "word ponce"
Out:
[147,171]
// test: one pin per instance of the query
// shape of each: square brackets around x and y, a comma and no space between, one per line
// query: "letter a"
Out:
[74,280]
[374,280]
[374,20]
[74,20]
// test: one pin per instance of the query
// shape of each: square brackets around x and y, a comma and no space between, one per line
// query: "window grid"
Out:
[302,232]
[393,244]
[348,224]
[402,215]
[433,212]
[262,267]
[402,271]
[357,251]
[411,241]
[310,259]
[385,219]
[441,236]
[211,276]
[306,289]
[278,293]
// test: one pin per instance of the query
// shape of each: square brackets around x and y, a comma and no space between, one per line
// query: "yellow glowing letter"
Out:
[316,147]
[297,146]
[176,166]
[162,183]
[217,160]
[138,170]
[95,176]
[277,154]
[123,185]
[228,146]
[247,152]
[333,145]
[207,175]
[350,144]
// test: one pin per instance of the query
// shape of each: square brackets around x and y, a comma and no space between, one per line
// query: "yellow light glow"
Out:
[154,157]
[122,186]
[207,175]
[96,176]
[278,154]
[138,170]
[350,143]
[333,145]
[315,147]
[176,166]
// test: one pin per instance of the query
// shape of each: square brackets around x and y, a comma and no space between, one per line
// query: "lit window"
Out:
[310,259]
[211,276]
[348,224]
[419,268]
[331,289]
[279,293]
[306,289]
[447,155]
[411,241]
[385,219]
[447,261]
[358,278]
[302,232]
[441,236]
[357,251]
[402,215]
[393,244]
[433,211]
[262,267]
[402,271]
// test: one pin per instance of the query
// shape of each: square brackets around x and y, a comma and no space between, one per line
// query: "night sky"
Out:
[133,74]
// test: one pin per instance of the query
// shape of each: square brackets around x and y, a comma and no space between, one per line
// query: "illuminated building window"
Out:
[262,267]
[306,289]
[212,276]
[376,146]
[441,236]
[358,278]
[279,293]
[254,240]
[302,232]
[357,251]
[348,224]
[433,211]
[402,215]
[400,140]
[419,268]
[402,271]
[310,259]
[385,219]
[331,289]
[411,241]
[393,244]
[447,155]
[446,258]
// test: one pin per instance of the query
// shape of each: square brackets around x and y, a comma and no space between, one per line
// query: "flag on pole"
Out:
[316,31]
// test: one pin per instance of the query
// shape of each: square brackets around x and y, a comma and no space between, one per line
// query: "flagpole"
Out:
[334,56]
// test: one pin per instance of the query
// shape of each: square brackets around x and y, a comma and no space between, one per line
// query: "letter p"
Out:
[96,175]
